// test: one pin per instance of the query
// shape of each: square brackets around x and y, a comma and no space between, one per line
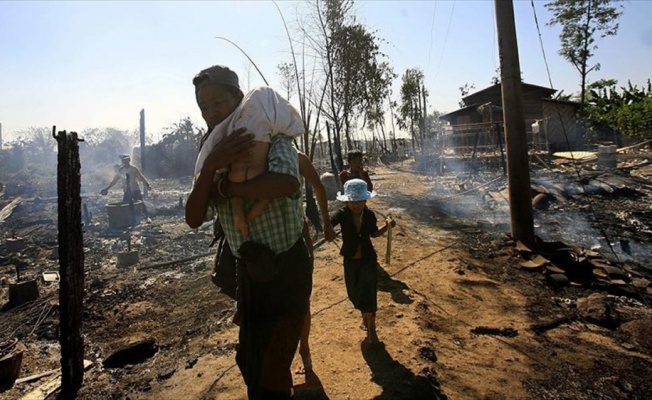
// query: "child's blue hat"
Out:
[355,190]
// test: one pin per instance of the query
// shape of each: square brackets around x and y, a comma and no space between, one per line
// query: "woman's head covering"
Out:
[216,75]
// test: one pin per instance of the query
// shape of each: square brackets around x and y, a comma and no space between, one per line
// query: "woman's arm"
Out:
[267,186]
[230,149]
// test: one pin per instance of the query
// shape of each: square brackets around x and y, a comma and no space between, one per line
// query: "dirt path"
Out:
[426,311]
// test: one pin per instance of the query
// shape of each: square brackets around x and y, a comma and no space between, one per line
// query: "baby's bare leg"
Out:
[239,219]
[244,170]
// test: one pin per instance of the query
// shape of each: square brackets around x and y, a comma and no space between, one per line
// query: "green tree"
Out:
[464,90]
[627,111]
[174,155]
[362,79]
[411,108]
[582,22]
[434,125]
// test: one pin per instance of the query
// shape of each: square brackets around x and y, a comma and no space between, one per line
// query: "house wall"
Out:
[531,101]
[464,119]
[559,122]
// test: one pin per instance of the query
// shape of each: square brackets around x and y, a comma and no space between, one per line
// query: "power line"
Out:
[543,50]
[450,19]
[432,28]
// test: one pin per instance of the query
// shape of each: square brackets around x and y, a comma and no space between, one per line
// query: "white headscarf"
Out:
[264,113]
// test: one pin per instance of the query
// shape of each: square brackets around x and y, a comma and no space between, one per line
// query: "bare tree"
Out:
[285,71]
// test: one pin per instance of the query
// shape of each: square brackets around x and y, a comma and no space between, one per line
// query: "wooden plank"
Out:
[9,208]
[36,376]
[48,388]
[45,390]
[616,181]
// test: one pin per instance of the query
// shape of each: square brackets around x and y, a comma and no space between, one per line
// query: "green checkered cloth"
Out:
[281,224]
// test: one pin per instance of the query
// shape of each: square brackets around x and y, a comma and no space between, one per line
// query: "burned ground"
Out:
[458,315]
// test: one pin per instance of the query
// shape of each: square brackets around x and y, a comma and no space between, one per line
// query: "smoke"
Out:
[477,199]
[569,227]
[99,154]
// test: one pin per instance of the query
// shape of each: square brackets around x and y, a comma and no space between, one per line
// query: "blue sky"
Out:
[83,65]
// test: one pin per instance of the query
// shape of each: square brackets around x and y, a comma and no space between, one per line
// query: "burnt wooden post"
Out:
[142,147]
[71,263]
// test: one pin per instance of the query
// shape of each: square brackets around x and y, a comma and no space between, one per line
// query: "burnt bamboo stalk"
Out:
[388,253]
[71,263]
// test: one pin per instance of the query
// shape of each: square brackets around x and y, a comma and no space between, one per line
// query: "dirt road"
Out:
[457,319]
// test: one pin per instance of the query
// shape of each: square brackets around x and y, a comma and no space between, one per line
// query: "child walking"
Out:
[359,225]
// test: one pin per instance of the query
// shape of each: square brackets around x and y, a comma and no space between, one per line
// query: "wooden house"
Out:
[551,124]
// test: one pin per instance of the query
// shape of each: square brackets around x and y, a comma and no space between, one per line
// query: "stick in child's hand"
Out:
[388,254]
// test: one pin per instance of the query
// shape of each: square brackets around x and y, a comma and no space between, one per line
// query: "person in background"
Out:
[131,192]
[273,262]
[130,177]
[358,224]
[356,170]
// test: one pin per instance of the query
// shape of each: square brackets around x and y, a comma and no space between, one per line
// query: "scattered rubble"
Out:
[486,330]
[598,279]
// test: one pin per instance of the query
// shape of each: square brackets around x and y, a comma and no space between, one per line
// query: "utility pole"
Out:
[142,147]
[518,166]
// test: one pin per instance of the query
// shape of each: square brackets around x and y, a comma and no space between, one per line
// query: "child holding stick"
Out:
[359,225]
